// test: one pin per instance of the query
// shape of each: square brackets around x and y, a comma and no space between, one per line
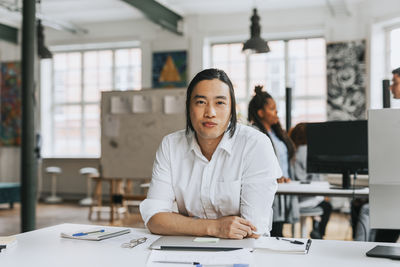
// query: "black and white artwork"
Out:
[346,72]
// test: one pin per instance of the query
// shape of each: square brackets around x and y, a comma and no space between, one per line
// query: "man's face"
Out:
[395,87]
[210,109]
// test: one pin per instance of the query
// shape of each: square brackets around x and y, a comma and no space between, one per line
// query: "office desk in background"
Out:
[313,189]
[319,189]
[45,248]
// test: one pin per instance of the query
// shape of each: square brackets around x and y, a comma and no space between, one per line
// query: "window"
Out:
[71,99]
[394,58]
[305,61]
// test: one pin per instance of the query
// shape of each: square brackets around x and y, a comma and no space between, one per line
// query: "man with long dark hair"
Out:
[222,175]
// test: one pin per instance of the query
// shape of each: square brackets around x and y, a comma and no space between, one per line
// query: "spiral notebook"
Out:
[95,234]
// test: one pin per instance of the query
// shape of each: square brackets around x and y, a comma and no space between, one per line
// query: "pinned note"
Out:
[119,105]
[141,104]
[174,104]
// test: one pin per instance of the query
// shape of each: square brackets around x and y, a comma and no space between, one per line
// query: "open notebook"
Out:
[95,234]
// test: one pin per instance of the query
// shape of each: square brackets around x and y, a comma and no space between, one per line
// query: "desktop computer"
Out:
[338,147]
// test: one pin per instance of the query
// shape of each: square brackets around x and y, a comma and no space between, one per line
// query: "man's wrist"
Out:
[210,227]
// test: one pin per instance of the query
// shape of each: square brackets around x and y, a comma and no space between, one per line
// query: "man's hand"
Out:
[233,227]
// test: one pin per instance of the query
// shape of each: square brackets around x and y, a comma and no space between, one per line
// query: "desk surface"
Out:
[45,248]
[319,188]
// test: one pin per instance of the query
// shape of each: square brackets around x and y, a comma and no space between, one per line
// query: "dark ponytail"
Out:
[258,102]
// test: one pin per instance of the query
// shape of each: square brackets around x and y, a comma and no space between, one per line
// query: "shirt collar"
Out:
[226,142]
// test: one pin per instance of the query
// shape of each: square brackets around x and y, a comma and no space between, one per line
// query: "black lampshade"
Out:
[43,51]
[255,44]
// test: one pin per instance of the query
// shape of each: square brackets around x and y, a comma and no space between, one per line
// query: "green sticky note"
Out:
[206,239]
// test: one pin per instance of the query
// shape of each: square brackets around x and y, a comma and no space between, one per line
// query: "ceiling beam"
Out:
[8,33]
[159,14]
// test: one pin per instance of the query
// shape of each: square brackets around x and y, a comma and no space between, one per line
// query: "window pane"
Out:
[307,66]
[60,62]
[67,130]
[92,129]
[307,74]
[229,57]
[316,47]
[98,74]
[67,77]
[75,130]
[128,74]
[395,58]
[269,70]
[394,48]
[309,111]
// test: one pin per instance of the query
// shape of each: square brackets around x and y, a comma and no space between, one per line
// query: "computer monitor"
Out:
[384,175]
[338,147]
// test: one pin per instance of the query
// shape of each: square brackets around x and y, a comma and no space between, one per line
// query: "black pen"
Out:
[297,242]
[308,245]
[180,262]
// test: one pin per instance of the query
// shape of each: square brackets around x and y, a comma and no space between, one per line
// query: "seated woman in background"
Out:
[299,138]
[262,114]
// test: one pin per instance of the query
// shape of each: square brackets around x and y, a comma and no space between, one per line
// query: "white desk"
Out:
[45,248]
[319,188]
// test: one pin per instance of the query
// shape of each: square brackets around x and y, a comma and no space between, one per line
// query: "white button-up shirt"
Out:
[240,178]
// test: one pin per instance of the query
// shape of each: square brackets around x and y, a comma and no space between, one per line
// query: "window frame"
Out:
[50,152]
[287,77]
[388,59]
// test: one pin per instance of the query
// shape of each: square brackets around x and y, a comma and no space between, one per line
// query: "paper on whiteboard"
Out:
[119,105]
[174,104]
[111,126]
[141,104]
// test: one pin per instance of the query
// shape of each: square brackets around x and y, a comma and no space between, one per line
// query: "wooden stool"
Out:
[97,205]
[117,192]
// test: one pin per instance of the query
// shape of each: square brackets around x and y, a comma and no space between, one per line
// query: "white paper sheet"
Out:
[242,256]
[141,104]
[111,126]
[119,105]
[271,243]
[174,104]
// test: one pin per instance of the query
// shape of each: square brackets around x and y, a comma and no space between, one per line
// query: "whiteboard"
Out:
[133,124]
[384,168]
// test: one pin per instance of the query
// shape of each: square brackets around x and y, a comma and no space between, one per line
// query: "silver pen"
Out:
[179,262]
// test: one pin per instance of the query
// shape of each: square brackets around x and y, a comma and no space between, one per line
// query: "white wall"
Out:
[201,30]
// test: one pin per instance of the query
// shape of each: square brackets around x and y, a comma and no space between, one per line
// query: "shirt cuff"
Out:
[150,207]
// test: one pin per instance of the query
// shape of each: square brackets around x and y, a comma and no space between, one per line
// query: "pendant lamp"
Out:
[255,44]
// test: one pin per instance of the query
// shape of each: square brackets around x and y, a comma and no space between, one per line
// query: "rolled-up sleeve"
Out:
[160,197]
[259,183]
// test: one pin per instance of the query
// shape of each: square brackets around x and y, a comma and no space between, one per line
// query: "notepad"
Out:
[95,234]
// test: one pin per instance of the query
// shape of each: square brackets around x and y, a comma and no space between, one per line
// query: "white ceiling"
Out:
[80,12]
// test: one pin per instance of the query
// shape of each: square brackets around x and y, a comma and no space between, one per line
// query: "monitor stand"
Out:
[346,184]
